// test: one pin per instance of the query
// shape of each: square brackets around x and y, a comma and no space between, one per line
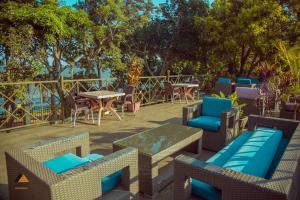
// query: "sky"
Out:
[72,2]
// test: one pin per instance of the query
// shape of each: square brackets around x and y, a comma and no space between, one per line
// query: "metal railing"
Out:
[31,103]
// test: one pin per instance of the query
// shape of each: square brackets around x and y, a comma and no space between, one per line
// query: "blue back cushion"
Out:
[65,163]
[244,81]
[206,122]
[254,80]
[256,155]
[70,161]
[212,106]
[224,80]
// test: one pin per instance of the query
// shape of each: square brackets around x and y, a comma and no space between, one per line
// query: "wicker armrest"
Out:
[231,183]
[190,112]
[47,150]
[86,179]
[229,119]
[288,126]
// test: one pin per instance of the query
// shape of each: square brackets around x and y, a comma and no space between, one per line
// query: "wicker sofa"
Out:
[282,184]
[214,138]
[290,111]
[28,178]
[251,98]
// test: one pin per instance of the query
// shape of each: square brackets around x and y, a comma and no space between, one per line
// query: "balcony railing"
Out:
[31,103]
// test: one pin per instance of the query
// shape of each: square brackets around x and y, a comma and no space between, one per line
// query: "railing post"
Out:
[62,98]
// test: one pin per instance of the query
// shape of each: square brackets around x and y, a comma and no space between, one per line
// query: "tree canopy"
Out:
[43,39]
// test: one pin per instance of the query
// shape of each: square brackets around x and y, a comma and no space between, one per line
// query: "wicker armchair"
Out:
[80,183]
[254,104]
[128,99]
[214,140]
[225,86]
[78,105]
[284,184]
[170,91]
[290,111]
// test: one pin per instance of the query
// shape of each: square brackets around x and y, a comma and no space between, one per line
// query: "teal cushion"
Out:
[206,123]
[244,81]
[224,80]
[206,191]
[280,150]
[256,155]
[212,106]
[254,80]
[253,148]
[221,157]
[70,161]
[65,163]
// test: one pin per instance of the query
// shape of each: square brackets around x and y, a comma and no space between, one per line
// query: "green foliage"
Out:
[234,99]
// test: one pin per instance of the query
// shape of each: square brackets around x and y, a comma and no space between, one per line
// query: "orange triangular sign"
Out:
[23,179]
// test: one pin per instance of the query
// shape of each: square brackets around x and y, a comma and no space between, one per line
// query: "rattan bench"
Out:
[29,179]
[284,183]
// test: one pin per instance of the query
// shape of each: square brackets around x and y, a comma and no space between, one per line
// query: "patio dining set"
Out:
[104,101]
[259,162]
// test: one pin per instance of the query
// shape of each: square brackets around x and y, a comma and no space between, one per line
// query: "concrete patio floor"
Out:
[101,137]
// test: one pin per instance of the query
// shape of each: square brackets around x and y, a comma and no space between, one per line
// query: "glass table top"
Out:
[158,139]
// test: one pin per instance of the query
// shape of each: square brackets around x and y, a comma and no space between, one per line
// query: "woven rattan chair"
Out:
[128,99]
[284,184]
[214,140]
[78,105]
[172,92]
[250,97]
[224,85]
[29,179]
[290,111]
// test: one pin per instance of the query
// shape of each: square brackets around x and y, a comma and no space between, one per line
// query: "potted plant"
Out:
[135,70]
[234,98]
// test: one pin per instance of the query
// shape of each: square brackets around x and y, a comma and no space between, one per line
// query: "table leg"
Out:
[148,176]
[109,107]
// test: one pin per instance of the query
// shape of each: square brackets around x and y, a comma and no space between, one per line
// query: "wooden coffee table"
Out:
[155,145]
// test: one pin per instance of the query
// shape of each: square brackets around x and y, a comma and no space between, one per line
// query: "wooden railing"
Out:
[30,103]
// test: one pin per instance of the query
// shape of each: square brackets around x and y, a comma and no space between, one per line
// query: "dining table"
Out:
[186,89]
[98,98]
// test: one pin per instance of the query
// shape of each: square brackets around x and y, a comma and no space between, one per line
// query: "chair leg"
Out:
[75,115]
[172,99]
[122,110]
[71,115]
[92,116]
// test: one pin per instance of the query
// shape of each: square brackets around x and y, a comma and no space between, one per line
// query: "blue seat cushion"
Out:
[65,163]
[224,80]
[221,157]
[206,123]
[70,161]
[256,155]
[244,81]
[280,150]
[212,106]
[204,190]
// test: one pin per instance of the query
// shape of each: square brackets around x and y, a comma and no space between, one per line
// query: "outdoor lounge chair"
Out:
[224,85]
[250,97]
[48,170]
[218,119]
[262,163]
[290,111]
